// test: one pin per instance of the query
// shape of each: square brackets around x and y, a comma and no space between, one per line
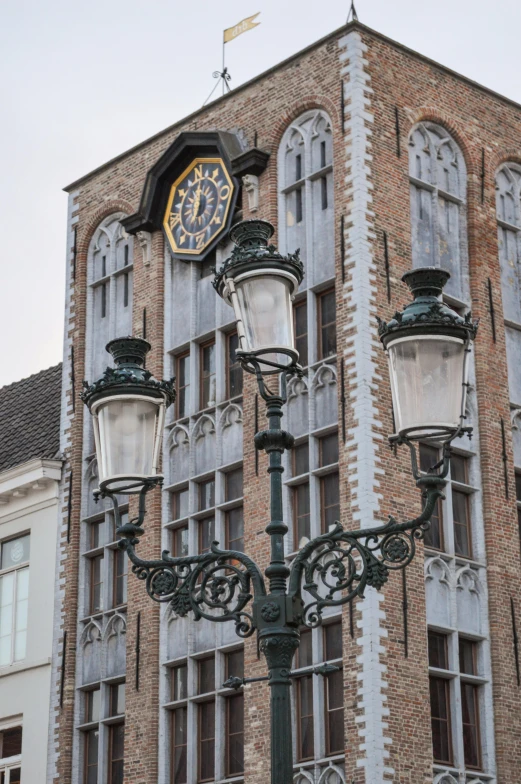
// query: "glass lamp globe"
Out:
[428,346]
[260,284]
[128,409]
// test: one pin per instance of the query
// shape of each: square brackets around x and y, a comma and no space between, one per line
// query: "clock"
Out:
[198,206]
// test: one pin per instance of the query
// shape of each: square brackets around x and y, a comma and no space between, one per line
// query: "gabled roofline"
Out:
[344,29]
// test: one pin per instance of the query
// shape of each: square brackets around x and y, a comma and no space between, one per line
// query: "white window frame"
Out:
[7,764]
[3,572]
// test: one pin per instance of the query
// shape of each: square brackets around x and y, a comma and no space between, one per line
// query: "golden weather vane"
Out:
[229,35]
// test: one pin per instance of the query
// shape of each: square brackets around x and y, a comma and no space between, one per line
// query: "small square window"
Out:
[234,483]
[206,494]
[300,459]
[328,449]
[235,664]
[92,705]
[15,552]
[206,669]
[179,503]
[117,699]
[333,641]
[11,742]
[179,682]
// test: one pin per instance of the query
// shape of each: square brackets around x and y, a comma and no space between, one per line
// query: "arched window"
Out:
[306,186]
[508,209]
[110,290]
[438,186]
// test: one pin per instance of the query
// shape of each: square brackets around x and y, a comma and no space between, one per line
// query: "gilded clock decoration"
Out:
[198,206]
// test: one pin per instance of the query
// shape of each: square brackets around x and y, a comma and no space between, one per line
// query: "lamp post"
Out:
[427,345]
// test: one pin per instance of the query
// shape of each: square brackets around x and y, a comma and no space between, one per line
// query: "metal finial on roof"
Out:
[352,13]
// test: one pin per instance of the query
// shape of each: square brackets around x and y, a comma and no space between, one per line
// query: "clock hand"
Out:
[197,202]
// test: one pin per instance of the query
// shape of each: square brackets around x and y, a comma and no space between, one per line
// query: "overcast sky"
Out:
[81,82]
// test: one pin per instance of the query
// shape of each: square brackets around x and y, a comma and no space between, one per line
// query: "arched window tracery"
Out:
[438,189]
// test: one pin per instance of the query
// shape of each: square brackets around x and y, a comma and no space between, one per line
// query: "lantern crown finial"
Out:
[426,281]
[128,351]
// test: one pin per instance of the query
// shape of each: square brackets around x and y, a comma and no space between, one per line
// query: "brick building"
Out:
[379,160]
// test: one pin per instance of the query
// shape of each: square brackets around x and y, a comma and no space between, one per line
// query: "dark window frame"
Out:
[210,741]
[301,303]
[111,760]
[232,368]
[203,403]
[92,559]
[230,701]
[117,556]
[321,327]
[183,710]
[181,394]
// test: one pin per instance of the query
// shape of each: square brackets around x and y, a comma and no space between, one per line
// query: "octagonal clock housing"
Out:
[190,193]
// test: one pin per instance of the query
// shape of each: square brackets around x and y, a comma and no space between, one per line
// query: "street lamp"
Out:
[427,345]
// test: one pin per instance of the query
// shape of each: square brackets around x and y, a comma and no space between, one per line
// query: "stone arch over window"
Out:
[109,264]
[306,186]
[438,190]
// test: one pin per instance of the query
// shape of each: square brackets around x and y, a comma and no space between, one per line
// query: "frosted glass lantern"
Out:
[428,346]
[260,284]
[127,432]
[128,408]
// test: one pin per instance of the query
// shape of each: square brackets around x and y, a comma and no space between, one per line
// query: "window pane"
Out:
[91,756]
[234,370]
[300,311]
[120,577]
[304,657]
[206,741]
[180,541]
[235,529]
[330,493]
[179,740]
[183,385]
[335,714]
[234,484]
[206,534]
[467,656]
[14,775]
[96,583]
[6,616]
[207,375]
[300,454]
[327,325]
[117,699]
[434,535]
[441,745]
[329,449]
[518,486]
[235,735]
[11,742]
[438,651]
[206,494]
[235,664]
[302,523]
[92,705]
[15,552]
[333,641]
[206,675]
[179,501]
[179,676]
[460,513]
[95,534]
[117,741]
[469,709]
[429,456]
[458,469]
[306,746]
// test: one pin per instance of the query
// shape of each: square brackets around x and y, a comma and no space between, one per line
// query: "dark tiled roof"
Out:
[30,418]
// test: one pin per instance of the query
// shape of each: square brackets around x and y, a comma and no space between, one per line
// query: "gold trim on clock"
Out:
[214,193]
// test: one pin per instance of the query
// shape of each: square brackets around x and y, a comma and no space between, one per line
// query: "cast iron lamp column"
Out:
[427,344]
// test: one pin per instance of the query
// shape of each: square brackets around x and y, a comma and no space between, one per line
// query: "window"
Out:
[469,703]
[117,699]
[180,541]
[300,315]
[429,457]
[518,503]
[334,689]
[120,578]
[329,483]
[456,508]
[206,534]
[179,745]
[300,495]
[207,390]
[326,324]
[440,700]
[438,192]
[304,699]
[96,583]
[10,755]
[179,503]
[235,735]
[234,520]
[14,598]
[206,721]
[206,494]
[182,374]
[234,664]
[116,749]
[233,368]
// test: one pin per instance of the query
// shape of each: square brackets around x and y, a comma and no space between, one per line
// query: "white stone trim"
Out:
[361,370]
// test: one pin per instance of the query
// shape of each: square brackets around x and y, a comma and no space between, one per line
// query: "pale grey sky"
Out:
[81,82]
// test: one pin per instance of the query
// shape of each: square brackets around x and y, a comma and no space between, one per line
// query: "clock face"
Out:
[198,206]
